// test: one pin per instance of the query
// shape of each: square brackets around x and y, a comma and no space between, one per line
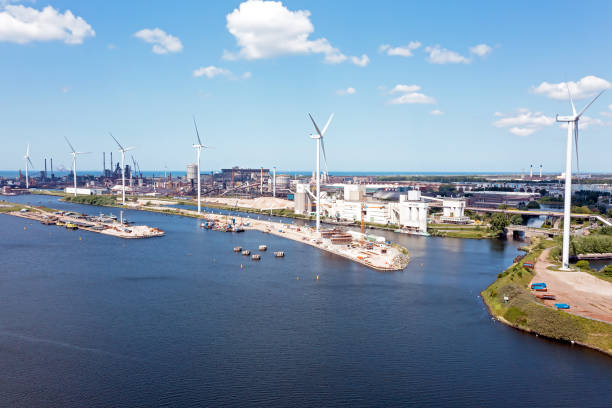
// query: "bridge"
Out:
[513,230]
[539,213]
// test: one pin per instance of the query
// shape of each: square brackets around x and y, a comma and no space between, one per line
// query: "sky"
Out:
[414,86]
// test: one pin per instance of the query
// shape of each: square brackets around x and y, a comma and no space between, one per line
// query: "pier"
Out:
[71,221]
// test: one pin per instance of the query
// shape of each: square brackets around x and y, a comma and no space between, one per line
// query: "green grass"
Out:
[103,200]
[6,207]
[460,231]
[525,311]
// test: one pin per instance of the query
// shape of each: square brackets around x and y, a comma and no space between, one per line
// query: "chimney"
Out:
[52,168]
[45,167]
[103,163]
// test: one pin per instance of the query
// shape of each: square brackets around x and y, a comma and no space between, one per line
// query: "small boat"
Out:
[238,228]
[546,296]
[256,257]
[71,226]
[279,254]
[562,306]
[47,221]
[246,252]
[263,248]
[60,224]
[538,285]
[237,249]
[541,289]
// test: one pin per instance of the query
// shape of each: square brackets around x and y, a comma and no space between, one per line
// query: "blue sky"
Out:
[94,70]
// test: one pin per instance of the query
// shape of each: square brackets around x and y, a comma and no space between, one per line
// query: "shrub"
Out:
[583,264]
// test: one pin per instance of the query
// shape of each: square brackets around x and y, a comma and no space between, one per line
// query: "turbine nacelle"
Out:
[566,118]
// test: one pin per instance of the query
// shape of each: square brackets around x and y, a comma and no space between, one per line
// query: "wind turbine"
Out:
[572,127]
[28,161]
[122,150]
[74,154]
[320,146]
[199,146]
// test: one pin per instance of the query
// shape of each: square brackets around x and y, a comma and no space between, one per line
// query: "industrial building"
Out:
[493,199]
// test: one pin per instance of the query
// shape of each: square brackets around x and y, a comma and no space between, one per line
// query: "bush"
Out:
[583,264]
[607,270]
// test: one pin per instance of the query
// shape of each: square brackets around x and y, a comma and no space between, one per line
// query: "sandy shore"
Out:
[260,203]
[586,294]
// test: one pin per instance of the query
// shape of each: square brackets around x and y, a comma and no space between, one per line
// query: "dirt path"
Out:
[587,295]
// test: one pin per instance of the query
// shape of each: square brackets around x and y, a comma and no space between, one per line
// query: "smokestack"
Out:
[52,176]
[45,167]
[103,163]
[112,168]
[261,181]
[274,181]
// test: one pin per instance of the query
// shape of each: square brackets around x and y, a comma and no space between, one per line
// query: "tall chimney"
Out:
[261,181]
[45,168]
[103,163]
[531,172]
[52,176]
[274,181]
[540,171]
[112,166]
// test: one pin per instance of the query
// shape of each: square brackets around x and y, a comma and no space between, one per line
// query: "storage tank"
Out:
[283,181]
[192,172]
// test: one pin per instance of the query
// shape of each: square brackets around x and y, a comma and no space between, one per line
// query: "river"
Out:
[92,320]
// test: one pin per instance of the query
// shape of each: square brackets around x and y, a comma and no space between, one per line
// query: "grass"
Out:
[524,311]
[460,231]
[6,207]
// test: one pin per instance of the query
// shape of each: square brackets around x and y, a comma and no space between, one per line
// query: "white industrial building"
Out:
[303,201]
[85,191]
[453,211]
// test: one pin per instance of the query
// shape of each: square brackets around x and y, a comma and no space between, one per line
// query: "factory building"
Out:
[453,211]
[192,173]
[410,212]
[493,199]
[85,191]
[303,202]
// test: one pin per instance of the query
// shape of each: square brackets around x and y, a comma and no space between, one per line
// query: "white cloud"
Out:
[21,25]
[481,50]
[402,51]
[65,89]
[521,131]
[361,62]
[584,88]
[410,94]
[523,122]
[266,29]
[436,112]
[211,72]
[163,43]
[438,55]
[348,91]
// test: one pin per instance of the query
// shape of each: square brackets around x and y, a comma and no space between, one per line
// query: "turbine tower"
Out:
[199,146]
[27,161]
[122,150]
[320,146]
[572,128]
[74,154]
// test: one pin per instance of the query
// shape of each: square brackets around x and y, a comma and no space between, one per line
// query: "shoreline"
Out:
[523,311]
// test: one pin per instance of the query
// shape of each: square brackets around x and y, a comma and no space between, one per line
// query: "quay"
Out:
[113,228]
[380,256]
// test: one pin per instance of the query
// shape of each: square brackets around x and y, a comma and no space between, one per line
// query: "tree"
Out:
[610,212]
[533,205]
[499,222]
[446,190]
[516,219]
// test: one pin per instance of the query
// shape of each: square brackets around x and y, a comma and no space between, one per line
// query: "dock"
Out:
[106,227]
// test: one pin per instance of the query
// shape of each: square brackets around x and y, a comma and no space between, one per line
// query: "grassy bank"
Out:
[524,311]
[460,231]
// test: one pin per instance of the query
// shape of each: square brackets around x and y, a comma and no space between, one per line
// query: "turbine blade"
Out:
[28,150]
[327,124]
[30,161]
[127,149]
[68,141]
[315,125]
[570,98]
[83,152]
[197,133]
[116,141]
[590,103]
[324,155]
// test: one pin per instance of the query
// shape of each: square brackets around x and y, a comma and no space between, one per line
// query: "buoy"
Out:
[241,266]
[317,277]
[80,239]
[24,228]
[297,278]
[214,260]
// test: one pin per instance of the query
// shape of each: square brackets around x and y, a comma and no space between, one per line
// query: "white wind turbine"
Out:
[74,154]
[572,128]
[198,146]
[27,161]
[122,150]
[320,146]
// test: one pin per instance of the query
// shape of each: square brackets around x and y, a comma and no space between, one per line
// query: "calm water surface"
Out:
[96,321]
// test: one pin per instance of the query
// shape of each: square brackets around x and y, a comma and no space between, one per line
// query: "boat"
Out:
[546,296]
[237,249]
[238,228]
[71,226]
[47,221]
[263,248]
[562,306]
[279,254]
[60,224]
[246,252]
[256,257]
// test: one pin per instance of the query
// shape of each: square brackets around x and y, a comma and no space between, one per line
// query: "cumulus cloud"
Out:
[523,122]
[21,25]
[402,51]
[584,88]
[436,112]
[409,94]
[360,61]
[211,72]
[348,91]
[266,29]
[163,42]
[438,55]
[481,50]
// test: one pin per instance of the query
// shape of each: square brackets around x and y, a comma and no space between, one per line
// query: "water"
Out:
[174,321]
